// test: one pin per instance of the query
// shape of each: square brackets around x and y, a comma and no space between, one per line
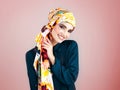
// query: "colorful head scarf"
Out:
[60,15]
[41,62]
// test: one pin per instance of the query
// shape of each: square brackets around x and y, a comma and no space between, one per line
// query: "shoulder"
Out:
[70,43]
[31,52]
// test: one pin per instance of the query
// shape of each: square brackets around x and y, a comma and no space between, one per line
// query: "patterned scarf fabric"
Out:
[42,62]
[42,65]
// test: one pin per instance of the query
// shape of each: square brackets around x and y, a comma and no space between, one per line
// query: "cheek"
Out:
[68,35]
[56,30]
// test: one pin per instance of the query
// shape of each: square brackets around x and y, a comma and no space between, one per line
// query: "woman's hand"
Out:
[49,47]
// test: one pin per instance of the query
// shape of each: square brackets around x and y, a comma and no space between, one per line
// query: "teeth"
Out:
[61,37]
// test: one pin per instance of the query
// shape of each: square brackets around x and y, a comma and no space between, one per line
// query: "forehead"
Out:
[67,25]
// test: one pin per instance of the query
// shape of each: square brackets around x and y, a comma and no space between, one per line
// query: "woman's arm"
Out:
[67,74]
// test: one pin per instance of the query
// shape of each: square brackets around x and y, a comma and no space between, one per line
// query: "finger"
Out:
[45,42]
[48,40]
[45,47]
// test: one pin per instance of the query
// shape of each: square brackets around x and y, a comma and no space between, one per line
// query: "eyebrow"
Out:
[66,27]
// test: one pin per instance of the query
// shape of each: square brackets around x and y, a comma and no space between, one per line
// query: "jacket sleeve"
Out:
[30,55]
[67,74]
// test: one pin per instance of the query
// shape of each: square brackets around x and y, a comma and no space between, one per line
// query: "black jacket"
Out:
[66,67]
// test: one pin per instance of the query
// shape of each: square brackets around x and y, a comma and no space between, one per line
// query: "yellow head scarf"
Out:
[59,15]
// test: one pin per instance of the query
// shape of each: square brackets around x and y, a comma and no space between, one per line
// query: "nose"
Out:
[65,34]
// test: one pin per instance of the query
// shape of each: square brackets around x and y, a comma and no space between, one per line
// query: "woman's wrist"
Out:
[52,60]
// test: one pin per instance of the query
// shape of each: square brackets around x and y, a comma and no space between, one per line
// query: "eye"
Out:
[70,31]
[62,26]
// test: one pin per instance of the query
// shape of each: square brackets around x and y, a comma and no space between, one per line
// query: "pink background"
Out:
[97,33]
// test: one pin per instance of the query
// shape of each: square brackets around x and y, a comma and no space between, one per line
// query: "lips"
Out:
[61,37]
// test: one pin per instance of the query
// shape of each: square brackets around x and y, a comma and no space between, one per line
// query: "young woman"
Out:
[53,63]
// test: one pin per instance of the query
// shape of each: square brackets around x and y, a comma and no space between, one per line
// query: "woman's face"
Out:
[61,32]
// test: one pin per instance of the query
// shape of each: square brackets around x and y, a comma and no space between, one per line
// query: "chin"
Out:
[60,41]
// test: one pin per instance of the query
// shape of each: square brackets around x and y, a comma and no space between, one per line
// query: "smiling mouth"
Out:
[61,37]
